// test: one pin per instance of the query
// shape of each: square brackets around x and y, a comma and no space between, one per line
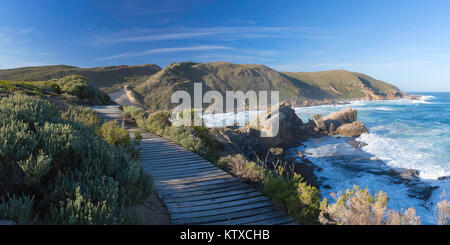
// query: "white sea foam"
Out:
[328,154]
[405,153]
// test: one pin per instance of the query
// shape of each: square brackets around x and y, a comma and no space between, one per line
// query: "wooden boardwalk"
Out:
[196,191]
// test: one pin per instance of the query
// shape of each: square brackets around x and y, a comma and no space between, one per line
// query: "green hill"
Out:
[107,79]
[153,87]
[156,92]
[297,88]
[343,84]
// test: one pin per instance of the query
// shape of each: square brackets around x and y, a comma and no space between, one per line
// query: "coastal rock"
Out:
[341,122]
[338,118]
[444,177]
[353,129]
[290,128]
[317,118]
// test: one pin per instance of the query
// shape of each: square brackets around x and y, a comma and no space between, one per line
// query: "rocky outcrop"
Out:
[342,123]
[353,129]
[290,128]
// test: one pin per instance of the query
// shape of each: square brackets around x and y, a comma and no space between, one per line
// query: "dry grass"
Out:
[240,167]
[360,207]
[442,211]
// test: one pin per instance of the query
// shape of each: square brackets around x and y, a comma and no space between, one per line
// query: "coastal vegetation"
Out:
[56,168]
[107,79]
[72,89]
[193,138]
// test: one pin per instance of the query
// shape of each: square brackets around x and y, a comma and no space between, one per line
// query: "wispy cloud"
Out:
[220,32]
[166,50]
[8,34]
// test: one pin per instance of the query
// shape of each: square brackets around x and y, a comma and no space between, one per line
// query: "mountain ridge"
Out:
[152,85]
[298,89]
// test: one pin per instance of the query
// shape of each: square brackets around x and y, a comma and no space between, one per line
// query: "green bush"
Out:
[72,175]
[120,137]
[77,85]
[114,134]
[84,115]
[18,209]
[290,191]
[133,112]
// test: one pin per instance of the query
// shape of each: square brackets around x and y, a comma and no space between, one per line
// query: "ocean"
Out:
[403,134]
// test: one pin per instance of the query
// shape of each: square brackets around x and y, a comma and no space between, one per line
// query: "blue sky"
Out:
[406,43]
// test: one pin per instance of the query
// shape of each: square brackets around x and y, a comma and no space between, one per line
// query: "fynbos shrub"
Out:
[71,175]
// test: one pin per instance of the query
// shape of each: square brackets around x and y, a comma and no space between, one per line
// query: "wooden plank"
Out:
[212,200]
[211,195]
[166,153]
[209,182]
[273,221]
[224,217]
[155,162]
[218,206]
[174,158]
[183,168]
[228,189]
[255,218]
[196,180]
[186,165]
[161,164]
[178,192]
[161,177]
[229,211]
[190,171]
[171,155]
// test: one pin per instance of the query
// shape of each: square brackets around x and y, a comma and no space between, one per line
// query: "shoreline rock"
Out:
[342,122]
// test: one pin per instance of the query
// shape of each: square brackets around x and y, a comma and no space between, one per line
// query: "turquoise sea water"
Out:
[408,134]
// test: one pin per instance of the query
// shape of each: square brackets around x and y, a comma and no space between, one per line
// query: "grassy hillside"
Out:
[156,92]
[154,87]
[107,79]
[343,84]
[72,89]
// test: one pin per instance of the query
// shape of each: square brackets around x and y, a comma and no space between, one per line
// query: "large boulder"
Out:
[338,118]
[342,122]
[353,129]
[290,128]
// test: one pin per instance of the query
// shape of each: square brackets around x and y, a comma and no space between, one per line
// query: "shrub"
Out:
[120,137]
[156,122]
[359,207]
[71,174]
[84,115]
[18,209]
[133,112]
[442,211]
[195,138]
[242,168]
[290,191]
[114,134]
[35,167]
[77,85]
